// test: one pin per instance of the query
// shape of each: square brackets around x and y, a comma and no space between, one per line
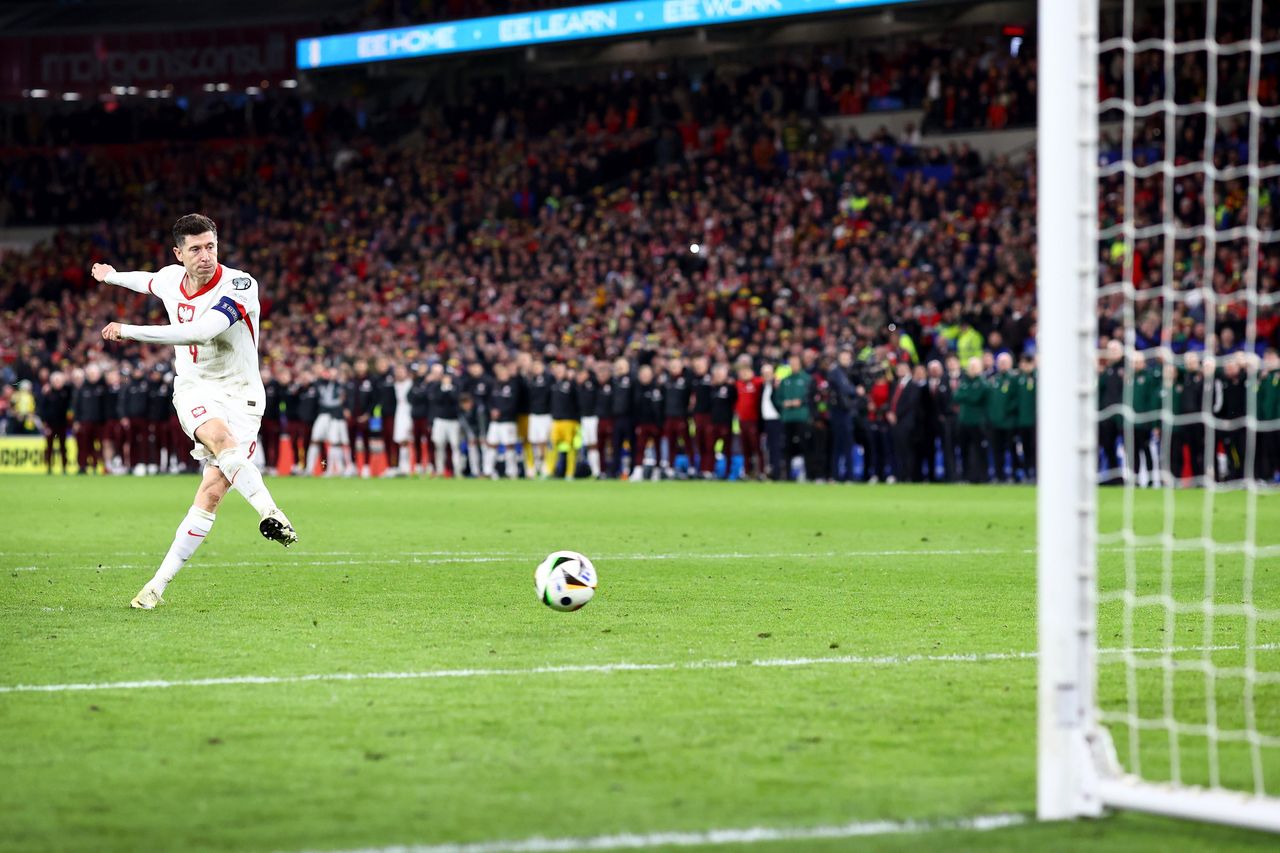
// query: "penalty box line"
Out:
[430,674]
[712,837]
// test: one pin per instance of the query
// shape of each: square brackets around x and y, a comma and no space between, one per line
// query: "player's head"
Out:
[557,369]
[195,245]
[645,374]
[475,368]
[57,379]
[500,371]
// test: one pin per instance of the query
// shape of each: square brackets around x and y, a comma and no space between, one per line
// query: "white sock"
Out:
[593,459]
[246,479]
[457,460]
[490,460]
[313,456]
[440,446]
[513,466]
[194,528]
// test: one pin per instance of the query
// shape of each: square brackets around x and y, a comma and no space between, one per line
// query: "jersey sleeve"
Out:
[244,293]
[138,282]
[214,322]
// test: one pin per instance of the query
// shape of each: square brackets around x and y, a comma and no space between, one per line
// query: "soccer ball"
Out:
[565,581]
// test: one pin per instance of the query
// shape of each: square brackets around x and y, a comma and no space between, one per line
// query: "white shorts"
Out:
[502,433]
[331,429]
[196,405]
[539,429]
[402,427]
[446,432]
[590,431]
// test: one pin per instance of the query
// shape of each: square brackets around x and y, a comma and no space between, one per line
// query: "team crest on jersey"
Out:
[186,313]
[241,283]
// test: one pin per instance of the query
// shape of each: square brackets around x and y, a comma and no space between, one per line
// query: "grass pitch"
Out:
[816,656]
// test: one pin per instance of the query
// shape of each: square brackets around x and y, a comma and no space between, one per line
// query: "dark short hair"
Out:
[191,225]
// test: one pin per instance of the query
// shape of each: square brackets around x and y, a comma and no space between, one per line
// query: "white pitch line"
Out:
[465,557]
[749,835]
[429,674]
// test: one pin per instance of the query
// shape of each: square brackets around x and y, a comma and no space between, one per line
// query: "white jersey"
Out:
[230,361]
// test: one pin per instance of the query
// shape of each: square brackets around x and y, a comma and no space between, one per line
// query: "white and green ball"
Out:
[565,581]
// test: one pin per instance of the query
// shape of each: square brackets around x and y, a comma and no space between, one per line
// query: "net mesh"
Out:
[1188,549]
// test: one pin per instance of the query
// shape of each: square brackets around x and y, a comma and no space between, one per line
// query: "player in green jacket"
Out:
[795,405]
[1024,417]
[1148,398]
[1001,399]
[971,421]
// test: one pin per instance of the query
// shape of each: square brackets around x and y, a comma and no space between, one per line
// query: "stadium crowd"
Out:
[847,305]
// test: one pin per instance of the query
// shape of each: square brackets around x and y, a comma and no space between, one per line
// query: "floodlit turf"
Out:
[898,587]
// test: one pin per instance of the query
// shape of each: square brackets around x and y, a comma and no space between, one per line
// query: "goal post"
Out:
[1189,724]
[1066,192]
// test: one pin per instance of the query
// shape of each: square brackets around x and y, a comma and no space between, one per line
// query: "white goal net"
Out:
[1160,409]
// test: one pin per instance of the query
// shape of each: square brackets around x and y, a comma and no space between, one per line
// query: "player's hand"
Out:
[111,332]
[101,271]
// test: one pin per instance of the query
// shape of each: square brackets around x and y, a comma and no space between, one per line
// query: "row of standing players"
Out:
[525,417]
[933,422]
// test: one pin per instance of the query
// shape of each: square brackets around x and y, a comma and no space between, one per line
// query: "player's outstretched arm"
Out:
[214,322]
[138,282]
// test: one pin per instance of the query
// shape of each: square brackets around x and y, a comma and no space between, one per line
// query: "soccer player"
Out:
[539,384]
[218,392]
[55,418]
[588,394]
[502,423]
[442,397]
[564,421]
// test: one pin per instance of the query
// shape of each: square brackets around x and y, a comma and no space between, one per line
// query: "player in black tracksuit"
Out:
[420,413]
[55,414]
[478,385]
[360,397]
[623,412]
[90,414]
[271,422]
[136,433]
[649,409]
[604,411]
[302,416]
[565,420]
[159,408]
